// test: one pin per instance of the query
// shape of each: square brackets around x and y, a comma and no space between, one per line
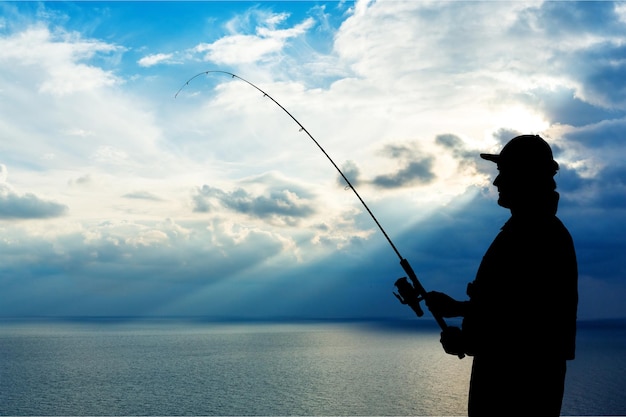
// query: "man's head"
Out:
[528,154]
[526,168]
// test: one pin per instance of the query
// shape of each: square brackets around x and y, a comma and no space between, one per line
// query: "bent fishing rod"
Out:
[408,293]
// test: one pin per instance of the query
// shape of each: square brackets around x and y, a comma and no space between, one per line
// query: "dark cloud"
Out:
[557,20]
[414,172]
[280,204]
[455,145]
[84,180]
[592,56]
[607,134]
[450,141]
[414,167]
[561,106]
[505,135]
[600,67]
[469,161]
[605,191]
[142,195]
[28,206]
[613,183]
[577,17]
[602,71]
[123,268]
[598,226]
[352,172]
[571,183]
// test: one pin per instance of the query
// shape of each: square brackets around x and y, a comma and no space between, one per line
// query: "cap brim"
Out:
[490,157]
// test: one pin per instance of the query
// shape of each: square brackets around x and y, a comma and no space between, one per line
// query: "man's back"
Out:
[521,320]
[525,292]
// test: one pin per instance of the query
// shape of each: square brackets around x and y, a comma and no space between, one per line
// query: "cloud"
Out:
[583,43]
[15,206]
[142,195]
[283,205]
[414,172]
[56,60]
[408,93]
[67,96]
[27,206]
[600,142]
[413,168]
[352,172]
[561,106]
[592,174]
[120,268]
[267,40]
[155,59]
[599,71]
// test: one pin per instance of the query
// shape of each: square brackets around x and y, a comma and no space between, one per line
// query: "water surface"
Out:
[186,368]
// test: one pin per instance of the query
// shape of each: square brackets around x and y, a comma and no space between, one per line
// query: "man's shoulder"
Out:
[560,227]
[547,229]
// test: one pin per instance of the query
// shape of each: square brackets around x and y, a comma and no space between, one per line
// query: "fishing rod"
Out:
[408,293]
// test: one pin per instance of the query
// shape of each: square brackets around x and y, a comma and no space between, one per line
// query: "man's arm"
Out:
[445,306]
[452,338]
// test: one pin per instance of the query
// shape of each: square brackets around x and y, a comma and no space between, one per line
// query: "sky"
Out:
[120,197]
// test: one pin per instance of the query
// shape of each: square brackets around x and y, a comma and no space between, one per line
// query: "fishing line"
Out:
[410,294]
[303,129]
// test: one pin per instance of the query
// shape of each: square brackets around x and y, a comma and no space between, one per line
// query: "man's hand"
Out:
[452,341]
[443,305]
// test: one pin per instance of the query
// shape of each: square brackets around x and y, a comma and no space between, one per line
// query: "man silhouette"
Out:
[520,321]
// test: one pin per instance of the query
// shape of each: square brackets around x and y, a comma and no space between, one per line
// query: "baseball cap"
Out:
[528,152]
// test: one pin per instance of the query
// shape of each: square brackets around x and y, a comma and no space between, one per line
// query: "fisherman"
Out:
[519,323]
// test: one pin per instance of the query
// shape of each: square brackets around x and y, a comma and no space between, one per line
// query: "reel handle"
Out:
[412,294]
[408,295]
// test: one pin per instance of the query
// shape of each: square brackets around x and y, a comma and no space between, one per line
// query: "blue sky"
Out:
[118,199]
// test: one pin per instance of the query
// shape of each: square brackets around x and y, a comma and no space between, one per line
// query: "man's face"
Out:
[510,187]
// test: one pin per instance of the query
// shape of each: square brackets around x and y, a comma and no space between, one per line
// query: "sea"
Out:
[189,367]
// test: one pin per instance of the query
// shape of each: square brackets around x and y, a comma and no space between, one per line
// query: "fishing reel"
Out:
[408,295]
